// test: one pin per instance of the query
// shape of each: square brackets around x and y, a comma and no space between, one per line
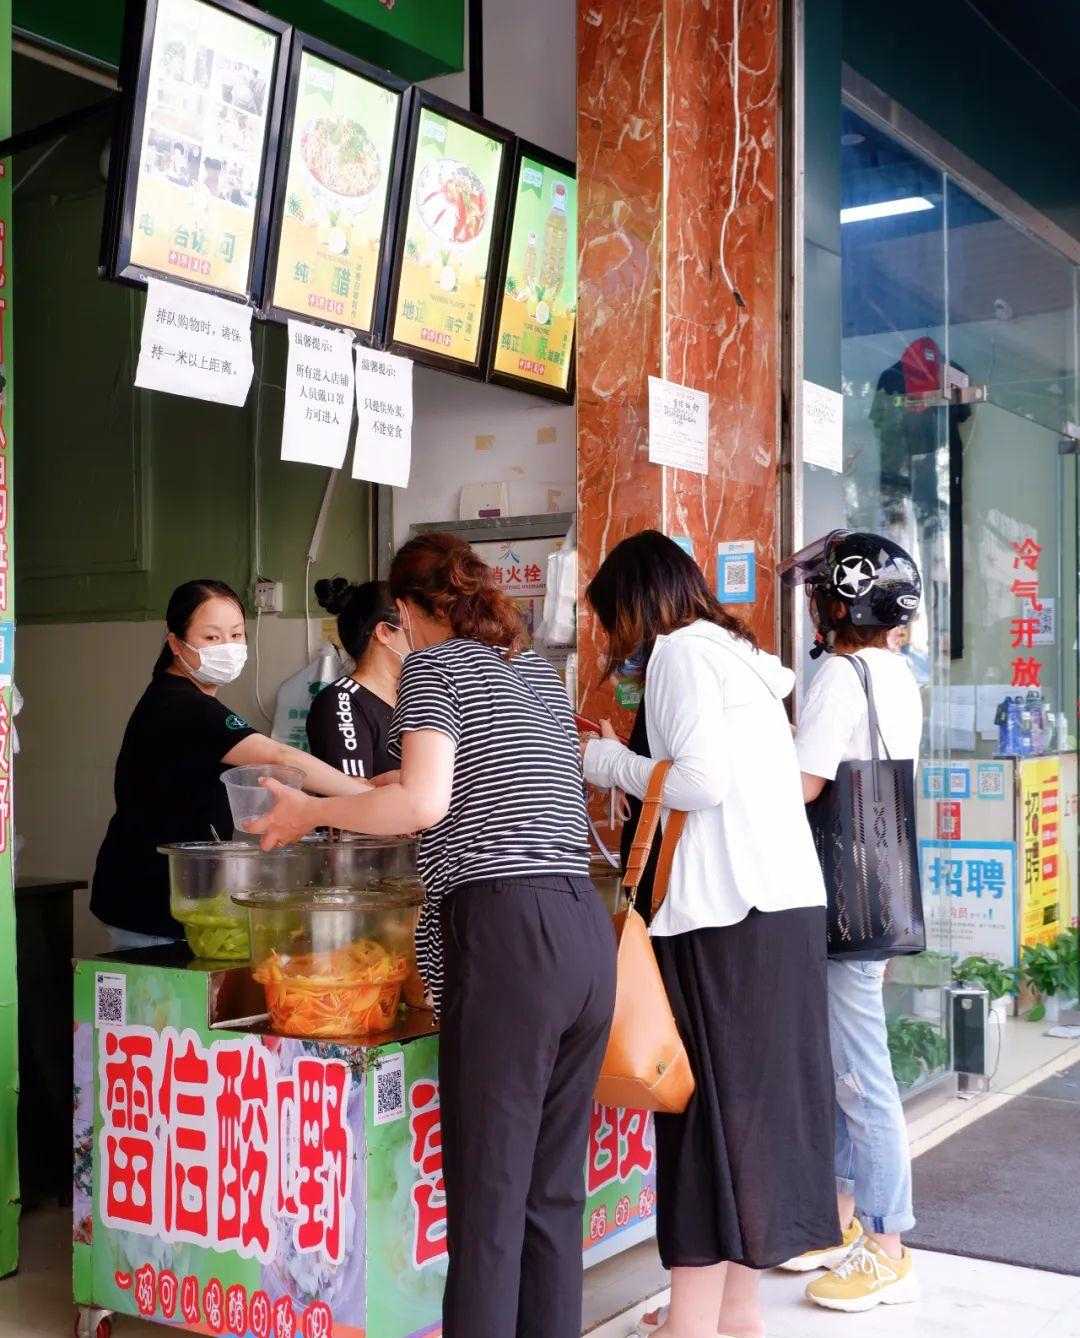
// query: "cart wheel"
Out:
[90,1323]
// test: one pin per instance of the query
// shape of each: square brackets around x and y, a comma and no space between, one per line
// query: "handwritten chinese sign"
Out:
[318,396]
[384,406]
[678,426]
[195,344]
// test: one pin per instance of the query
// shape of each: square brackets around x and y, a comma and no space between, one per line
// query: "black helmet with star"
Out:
[873,576]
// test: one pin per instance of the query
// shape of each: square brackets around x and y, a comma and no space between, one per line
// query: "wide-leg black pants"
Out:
[527,1005]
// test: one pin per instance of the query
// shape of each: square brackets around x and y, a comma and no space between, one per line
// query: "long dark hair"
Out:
[184,602]
[647,587]
[442,575]
[359,609]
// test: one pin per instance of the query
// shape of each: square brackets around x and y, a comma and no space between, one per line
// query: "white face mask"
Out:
[218,665]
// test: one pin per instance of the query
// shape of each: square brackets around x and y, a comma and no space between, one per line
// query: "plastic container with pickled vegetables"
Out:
[203,875]
[334,962]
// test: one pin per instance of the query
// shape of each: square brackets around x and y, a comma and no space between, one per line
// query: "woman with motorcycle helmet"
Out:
[862,588]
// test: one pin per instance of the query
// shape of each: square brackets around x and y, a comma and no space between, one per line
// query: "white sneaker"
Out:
[830,1256]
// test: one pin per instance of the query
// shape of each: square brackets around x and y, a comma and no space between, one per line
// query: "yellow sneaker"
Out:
[830,1256]
[865,1279]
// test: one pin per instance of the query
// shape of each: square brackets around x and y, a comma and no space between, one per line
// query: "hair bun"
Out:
[334,594]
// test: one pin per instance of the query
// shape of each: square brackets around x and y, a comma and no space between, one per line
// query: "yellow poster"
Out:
[448,239]
[200,162]
[332,227]
[1040,900]
[534,339]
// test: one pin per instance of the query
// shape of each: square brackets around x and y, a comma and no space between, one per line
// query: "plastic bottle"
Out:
[1027,742]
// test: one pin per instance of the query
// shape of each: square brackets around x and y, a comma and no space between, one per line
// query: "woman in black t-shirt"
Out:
[349,721]
[178,742]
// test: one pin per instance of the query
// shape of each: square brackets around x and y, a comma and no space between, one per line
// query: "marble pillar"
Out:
[678,120]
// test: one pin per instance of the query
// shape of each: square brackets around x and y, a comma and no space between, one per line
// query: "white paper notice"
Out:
[318,396]
[384,403]
[195,344]
[822,427]
[678,426]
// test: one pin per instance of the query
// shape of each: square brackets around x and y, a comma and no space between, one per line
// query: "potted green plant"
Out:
[1050,969]
[915,1047]
[1001,982]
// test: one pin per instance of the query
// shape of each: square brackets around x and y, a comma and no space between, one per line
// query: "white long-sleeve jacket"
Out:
[714,707]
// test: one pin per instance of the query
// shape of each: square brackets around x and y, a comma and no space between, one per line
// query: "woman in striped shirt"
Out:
[514,942]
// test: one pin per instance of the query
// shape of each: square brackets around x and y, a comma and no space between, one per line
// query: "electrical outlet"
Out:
[269,596]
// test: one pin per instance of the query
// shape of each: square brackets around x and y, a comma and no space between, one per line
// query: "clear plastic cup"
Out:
[248,799]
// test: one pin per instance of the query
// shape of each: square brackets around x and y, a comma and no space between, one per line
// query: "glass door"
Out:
[959,375]
[1012,322]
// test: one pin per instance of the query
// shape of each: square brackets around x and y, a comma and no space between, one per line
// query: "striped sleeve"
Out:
[427,699]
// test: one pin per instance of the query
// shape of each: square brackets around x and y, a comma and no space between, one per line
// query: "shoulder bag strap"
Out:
[651,806]
[866,678]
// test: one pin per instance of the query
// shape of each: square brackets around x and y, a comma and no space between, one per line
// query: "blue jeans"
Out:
[873,1157]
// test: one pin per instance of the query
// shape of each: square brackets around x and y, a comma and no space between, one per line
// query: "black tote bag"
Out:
[864,830]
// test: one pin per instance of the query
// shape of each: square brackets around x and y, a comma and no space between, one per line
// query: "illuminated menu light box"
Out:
[194,152]
[336,194]
[447,248]
[536,318]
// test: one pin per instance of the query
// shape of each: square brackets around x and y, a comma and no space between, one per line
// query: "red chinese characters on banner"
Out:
[189,1166]
[429,1192]
[236,1310]
[128,1145]
[619,1145]
[146,1290]
[1025,629]
[168,1292]
[193,1139]
[318,1321]
[260,1315]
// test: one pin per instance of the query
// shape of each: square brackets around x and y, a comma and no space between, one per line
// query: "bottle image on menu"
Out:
[553,262]
[529,267]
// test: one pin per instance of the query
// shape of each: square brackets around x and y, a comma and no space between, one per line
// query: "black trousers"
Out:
[527,1005]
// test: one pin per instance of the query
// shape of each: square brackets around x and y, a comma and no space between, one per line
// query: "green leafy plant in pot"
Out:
[1051,970]
[915,1047]
[1001,982]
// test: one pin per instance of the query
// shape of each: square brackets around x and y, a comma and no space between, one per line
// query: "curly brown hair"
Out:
[441,574]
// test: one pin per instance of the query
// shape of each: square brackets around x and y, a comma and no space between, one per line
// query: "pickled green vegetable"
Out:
[218,938]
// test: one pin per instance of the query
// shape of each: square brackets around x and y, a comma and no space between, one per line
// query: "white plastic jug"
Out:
[296,694]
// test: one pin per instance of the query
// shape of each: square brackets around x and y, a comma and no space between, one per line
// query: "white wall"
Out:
[470,433]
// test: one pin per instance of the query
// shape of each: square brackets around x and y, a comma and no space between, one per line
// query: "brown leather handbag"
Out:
[646,1066]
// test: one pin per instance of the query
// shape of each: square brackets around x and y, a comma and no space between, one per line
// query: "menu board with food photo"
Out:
[205,105]
[533,346]
[339,160]
[442,301]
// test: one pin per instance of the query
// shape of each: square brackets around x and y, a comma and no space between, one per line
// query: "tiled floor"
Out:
[962,1298]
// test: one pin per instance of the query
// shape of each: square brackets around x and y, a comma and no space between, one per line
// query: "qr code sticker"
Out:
[110,999]
[737,577]
[390,1089]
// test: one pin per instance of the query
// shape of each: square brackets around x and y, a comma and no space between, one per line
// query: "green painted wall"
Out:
[125,492]
[415,38]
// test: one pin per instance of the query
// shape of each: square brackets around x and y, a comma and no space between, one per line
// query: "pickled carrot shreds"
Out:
[352,991]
